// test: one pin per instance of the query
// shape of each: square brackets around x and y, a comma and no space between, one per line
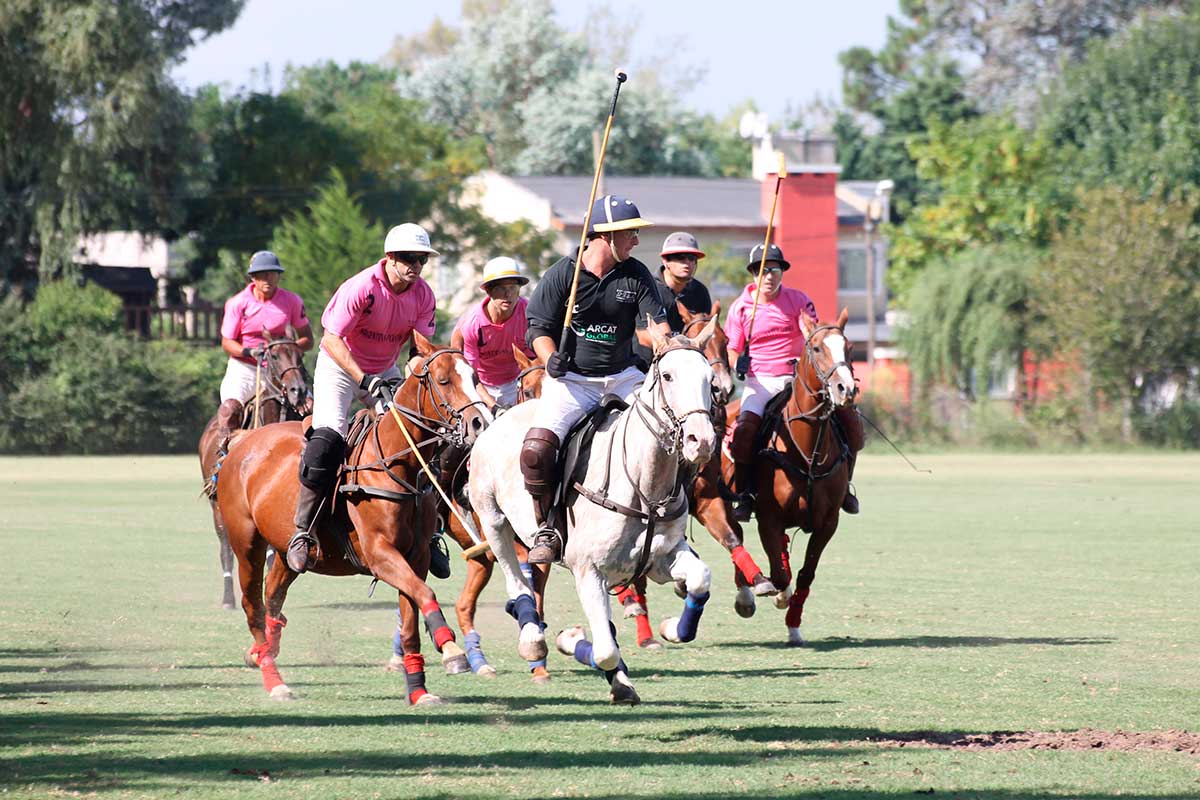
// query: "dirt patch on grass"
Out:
[1178,741]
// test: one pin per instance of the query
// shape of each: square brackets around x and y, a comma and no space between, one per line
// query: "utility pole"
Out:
[877,211]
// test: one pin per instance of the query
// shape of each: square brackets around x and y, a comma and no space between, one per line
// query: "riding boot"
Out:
[743,478]
[229,419]
[850,501]
[850,422]
[299,549]
[745,437]
[539,460]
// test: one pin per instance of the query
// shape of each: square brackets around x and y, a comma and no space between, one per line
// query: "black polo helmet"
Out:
[264,261]
[774,253]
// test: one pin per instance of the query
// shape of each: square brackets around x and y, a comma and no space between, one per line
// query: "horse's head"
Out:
[445,392]
[825,368]
[717,349]
[679,388]
[285,369]
[529,382]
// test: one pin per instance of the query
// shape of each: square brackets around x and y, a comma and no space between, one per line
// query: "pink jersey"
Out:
[487,346]
[777,338]
[375,321]
[246,316]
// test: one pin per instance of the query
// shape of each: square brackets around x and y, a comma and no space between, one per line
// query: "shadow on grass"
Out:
[929,642]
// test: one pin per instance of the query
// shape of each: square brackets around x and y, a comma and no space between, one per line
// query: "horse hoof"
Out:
[650,643]
[764,587]
[282,692]
[456,665]
[795,638]
[228,605]
[567,639]
[486,671]
[623,693]
[394,664]
[669,630]
[681,589]
[428,700]
[743,603]
[634,609]
[532,644]
[250,658]
[783,598]
[540,675]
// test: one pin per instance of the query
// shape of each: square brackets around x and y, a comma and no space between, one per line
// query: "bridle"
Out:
[822,395]
[720,395]
[673,425]
[527,394]
[273,386]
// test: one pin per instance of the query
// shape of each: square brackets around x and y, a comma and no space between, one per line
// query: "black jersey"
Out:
[694,297]
[606,313]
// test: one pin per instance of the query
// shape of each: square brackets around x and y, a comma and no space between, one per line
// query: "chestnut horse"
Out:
[381,522]
[283,396]
[802,473]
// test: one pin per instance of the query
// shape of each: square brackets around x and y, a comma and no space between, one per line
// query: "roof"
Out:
[121,280]
[668,200]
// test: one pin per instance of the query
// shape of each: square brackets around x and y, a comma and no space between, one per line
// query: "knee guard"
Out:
[229,414]
[322,456]
[742,447]
[539,456]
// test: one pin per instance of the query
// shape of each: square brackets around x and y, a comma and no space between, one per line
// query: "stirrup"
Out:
[439,557]
[850,501]
[299,550]
[548,546]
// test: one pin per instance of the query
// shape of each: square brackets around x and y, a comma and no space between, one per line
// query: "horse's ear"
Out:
[842,317]
[706,335]
[423,345]
[522,360]
[657,340]
[807,324]
[684,313]
[716,309]
[291,331]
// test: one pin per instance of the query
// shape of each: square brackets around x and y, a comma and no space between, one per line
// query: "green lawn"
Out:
[999,593]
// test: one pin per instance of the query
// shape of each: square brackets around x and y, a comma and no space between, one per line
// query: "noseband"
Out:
[275,376]
[674,422]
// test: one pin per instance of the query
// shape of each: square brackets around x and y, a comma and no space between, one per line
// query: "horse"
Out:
[381,520]
[283,395]
[802,472]
[625,507]
[708,504]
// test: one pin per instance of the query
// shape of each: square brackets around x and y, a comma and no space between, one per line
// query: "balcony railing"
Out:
[198,323]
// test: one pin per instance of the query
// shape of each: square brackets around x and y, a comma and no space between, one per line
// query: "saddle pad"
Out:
[579,444]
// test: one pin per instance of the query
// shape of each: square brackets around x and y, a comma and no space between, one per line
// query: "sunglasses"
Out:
[412,259]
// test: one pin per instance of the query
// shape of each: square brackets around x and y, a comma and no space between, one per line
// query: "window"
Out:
[852,269]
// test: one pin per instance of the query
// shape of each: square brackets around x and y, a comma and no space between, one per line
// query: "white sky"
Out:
[776,53]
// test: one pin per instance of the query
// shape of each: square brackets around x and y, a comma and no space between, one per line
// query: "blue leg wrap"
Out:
[541,662]
[689,620]
[583,654]
[523,610]
[527,571]
[475,655]
[397,644]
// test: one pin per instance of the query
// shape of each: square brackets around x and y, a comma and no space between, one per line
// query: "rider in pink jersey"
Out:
[487,332]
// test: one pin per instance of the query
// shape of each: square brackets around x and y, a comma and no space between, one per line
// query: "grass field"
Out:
[1000,593]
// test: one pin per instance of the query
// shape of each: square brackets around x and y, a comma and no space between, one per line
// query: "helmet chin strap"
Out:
[612,247]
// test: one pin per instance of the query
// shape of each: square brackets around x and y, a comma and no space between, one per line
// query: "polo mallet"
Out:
[587,220]
[743,362]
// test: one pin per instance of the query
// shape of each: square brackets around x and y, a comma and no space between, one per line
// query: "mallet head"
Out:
[621,76]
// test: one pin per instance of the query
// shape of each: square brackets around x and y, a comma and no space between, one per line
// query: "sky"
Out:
[780,54]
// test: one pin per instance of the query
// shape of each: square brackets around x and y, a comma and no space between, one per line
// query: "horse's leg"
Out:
[804,580]
[479,572]
[536,575]
[715,513]
[414,662]
[522,603]
[683,565]
[633,599]
[602,653]
[226,555]
[278,581]
[250,579]
[454,658]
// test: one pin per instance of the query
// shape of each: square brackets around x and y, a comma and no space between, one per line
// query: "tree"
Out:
[1122,289]
[971,317]
[995,183]
[92,130]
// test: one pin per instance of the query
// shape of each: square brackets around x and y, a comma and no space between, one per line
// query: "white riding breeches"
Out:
[334,391]
[238,383]
[506,394]
[565,400]
[759,389]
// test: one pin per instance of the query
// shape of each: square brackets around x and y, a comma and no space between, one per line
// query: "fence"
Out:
[198,323]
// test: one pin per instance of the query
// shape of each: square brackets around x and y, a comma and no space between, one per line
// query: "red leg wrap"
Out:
[436,621]
[796,608]
[270,674]
[414,675]
[745,563]
[785,557]
[274,629]
[644,631]
[625,595]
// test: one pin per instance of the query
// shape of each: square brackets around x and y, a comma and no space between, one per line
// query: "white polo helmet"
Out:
[503,267]
[408,238]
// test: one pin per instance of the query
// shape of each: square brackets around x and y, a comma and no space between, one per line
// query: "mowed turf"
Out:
[999,593]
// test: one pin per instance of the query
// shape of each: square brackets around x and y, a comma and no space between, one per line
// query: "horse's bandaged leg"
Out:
[435,622]
[796,608]
[689,620]
[745,563]
[642,620]
[475,655]
[524,610]
[274,631]
[414,676]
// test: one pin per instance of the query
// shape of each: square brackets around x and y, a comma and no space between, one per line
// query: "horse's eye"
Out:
[667,377]
[443,381]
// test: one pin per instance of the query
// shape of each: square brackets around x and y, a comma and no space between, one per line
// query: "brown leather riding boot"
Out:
[851,423]
[539,459]
[742,449]
[229,419]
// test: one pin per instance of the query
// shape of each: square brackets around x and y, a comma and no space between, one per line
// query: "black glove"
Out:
[375,386]
[742,366]
[255,353]
[558,364]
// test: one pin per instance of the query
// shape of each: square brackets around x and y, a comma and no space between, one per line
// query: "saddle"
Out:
[573,455]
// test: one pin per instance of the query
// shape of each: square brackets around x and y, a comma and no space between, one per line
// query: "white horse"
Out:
[633,467]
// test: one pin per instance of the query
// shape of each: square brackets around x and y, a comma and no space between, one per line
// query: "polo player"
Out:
[488,331]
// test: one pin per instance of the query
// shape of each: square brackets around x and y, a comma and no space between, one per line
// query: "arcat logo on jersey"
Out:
[626,296]
[598,332]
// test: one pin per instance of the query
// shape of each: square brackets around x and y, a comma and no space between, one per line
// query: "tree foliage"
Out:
[971,317]
[93,132]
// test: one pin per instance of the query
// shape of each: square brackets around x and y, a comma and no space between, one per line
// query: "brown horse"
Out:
[282,396]
[708,504]
[382,519]
[803,471]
